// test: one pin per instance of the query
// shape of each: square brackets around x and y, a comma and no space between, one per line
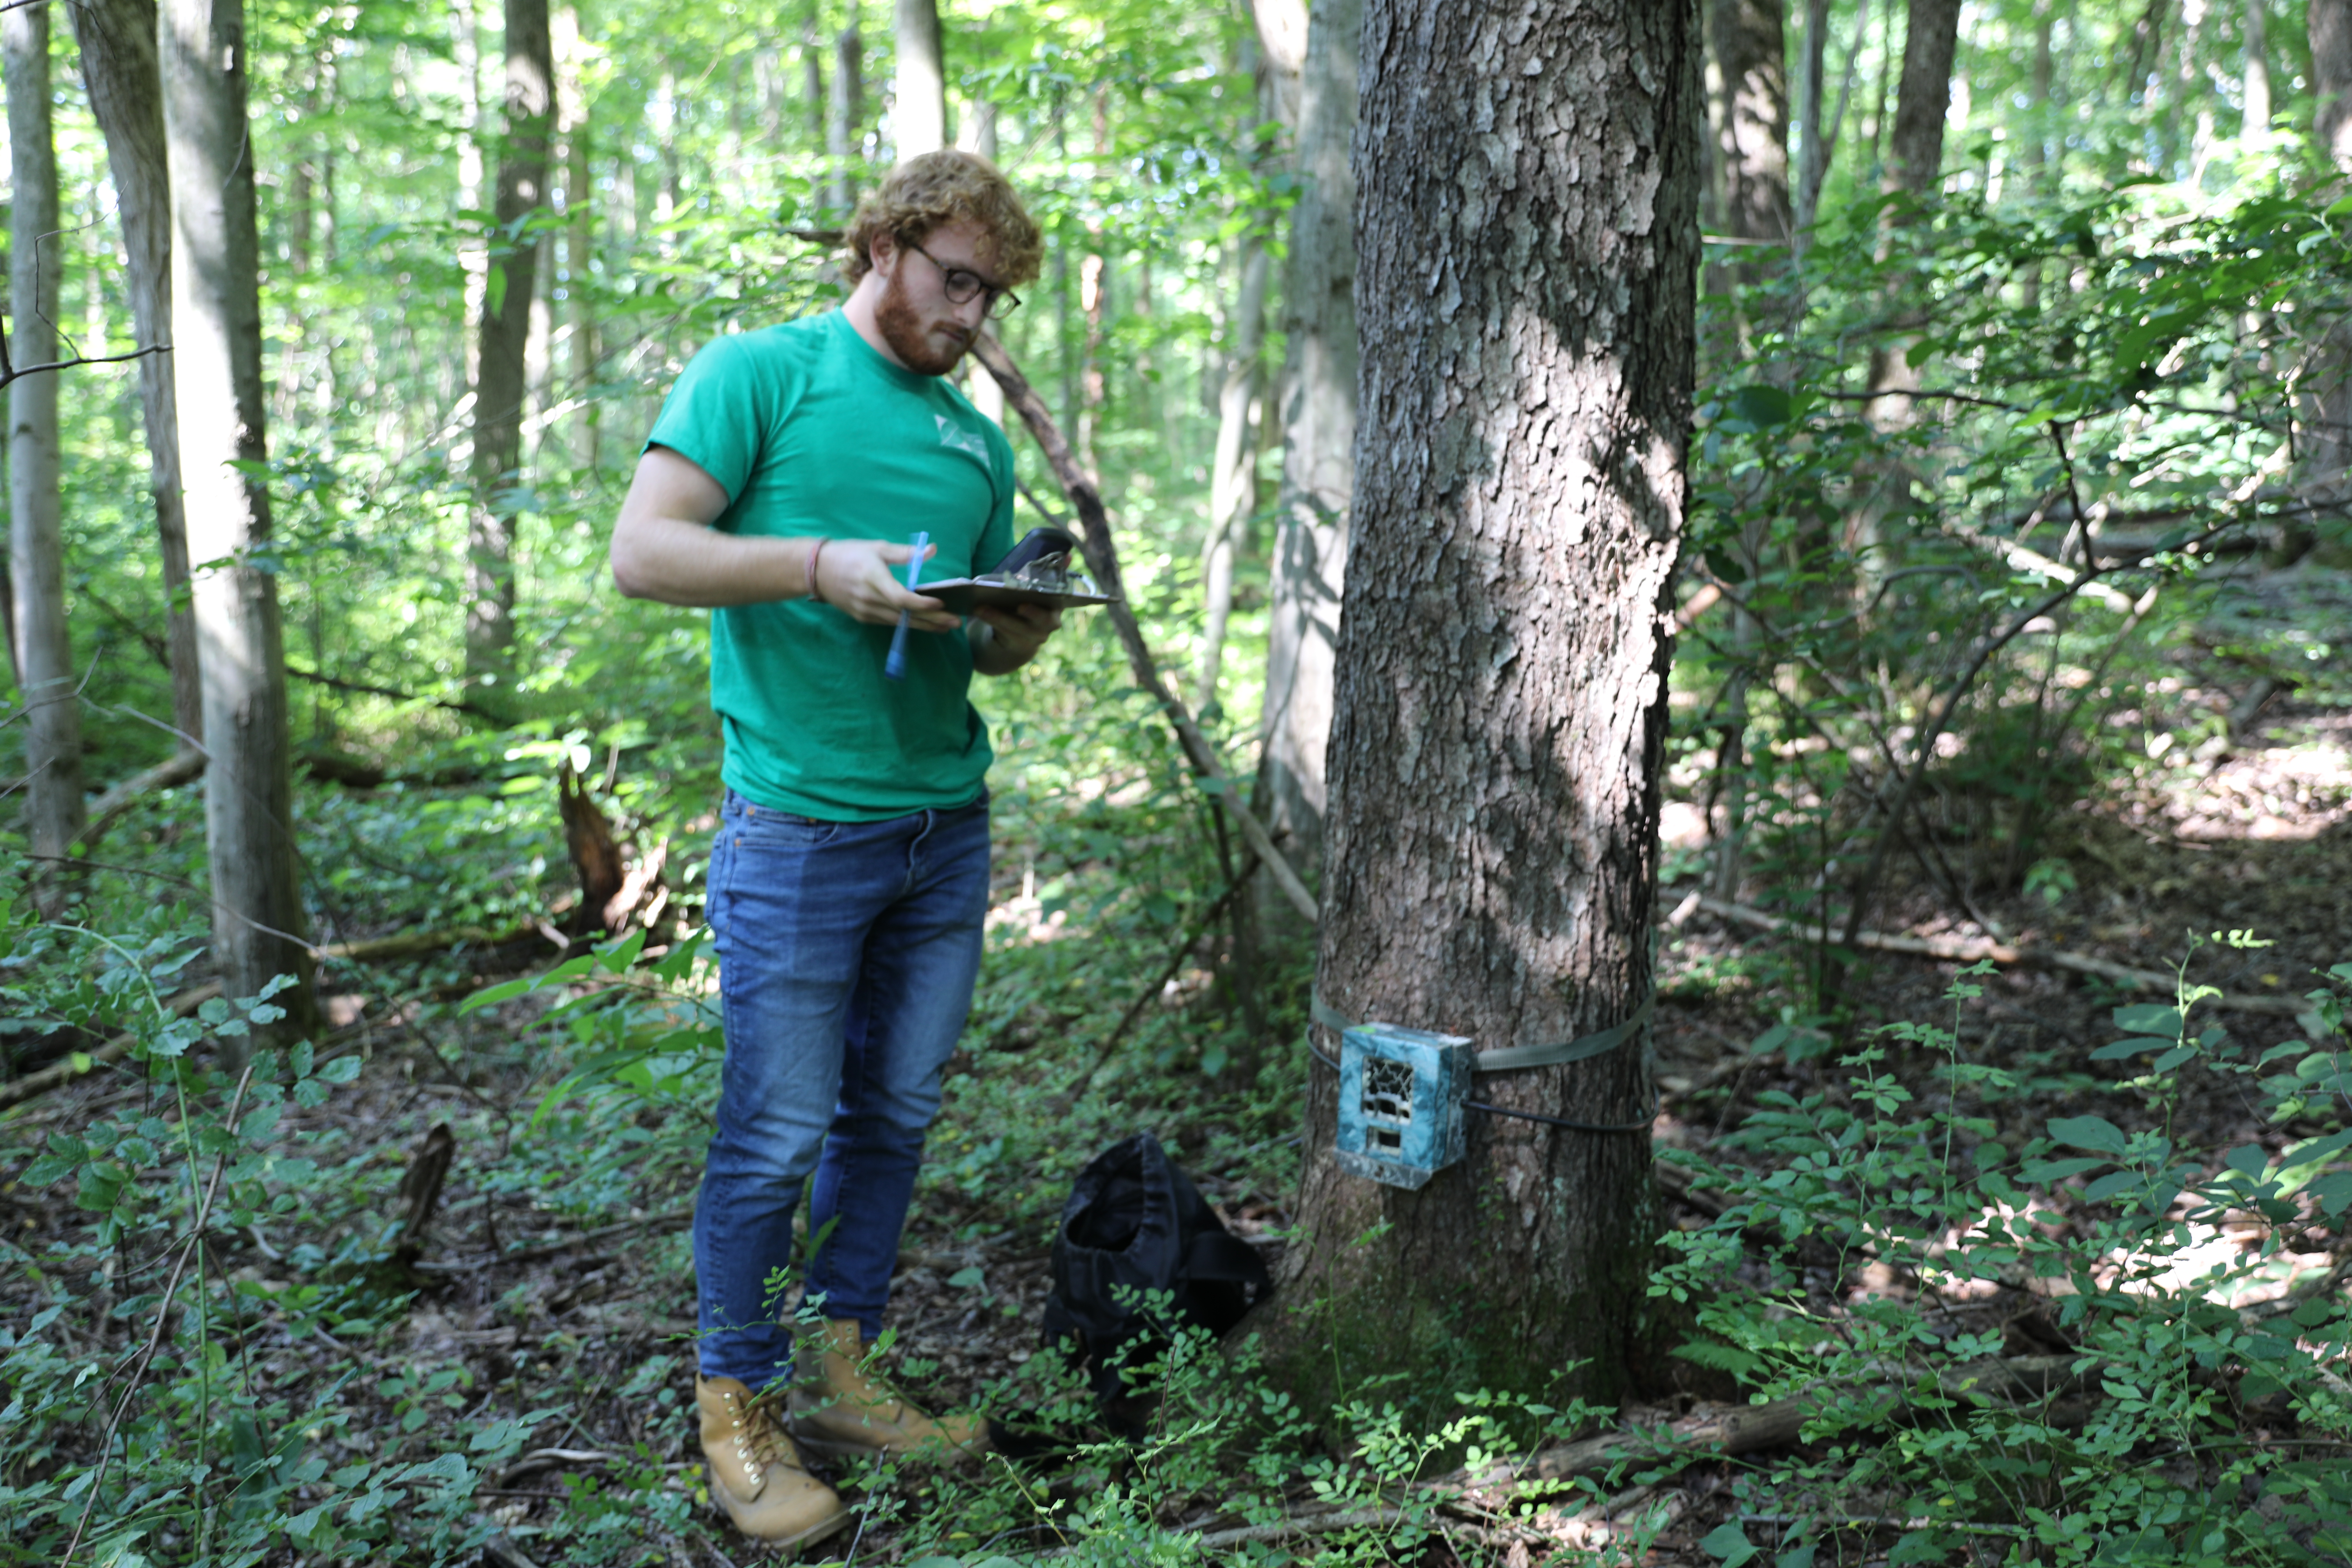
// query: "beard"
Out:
[924,347]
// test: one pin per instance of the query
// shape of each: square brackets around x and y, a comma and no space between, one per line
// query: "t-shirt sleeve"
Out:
[713,416]
[996,538]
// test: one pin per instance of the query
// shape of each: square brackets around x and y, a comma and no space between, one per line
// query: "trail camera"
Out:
[1401,1094]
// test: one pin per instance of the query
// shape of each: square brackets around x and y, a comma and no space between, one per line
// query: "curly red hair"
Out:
[947,186]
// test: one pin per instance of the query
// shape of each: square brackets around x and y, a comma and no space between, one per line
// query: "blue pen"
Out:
[895,666]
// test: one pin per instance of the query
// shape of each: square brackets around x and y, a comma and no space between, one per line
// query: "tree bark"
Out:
[1528,242]
[919,109]
[44,651]
[1915,169]
[504,327]
[1751,49]
[118,62]
[2257,74]
[1317,400]
[844,109]
[2325,401]
[258,920]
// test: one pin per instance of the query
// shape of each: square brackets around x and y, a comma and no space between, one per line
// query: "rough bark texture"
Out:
[118,63]
[1317,400]
[919,109]
[258,920]
[53,803]
[504,382]
[1751,50]
[1528,188]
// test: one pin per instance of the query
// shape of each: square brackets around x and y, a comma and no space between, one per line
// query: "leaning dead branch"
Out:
[1102,559]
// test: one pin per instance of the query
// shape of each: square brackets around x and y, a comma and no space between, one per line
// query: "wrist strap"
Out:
[814,551]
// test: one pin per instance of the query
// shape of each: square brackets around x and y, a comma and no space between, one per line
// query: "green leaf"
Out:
[2173,1059]
[2149,1018]
[342,1070]
[2108,1185]
[967,1278]
[2119,1049]
[2089,1132]
[1729,1543]
[2248,1159]
[1761,407]
[2333,1193]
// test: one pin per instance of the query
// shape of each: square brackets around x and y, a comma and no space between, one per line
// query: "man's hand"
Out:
[1009,638]
[865,579]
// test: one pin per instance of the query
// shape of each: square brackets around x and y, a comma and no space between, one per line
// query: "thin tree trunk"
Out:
[579,232]
[1317,404]
[1232,473]
[118,59]
[466,46]
[1813,78]
[258,918]
[919,109]
[1915,169]
[1491,865]
[978,135]
[1821,145]
[2257,91]
[845,115]
[813,99]
[44,651]
[505,326]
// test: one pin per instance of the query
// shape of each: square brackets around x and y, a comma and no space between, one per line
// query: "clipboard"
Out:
[1035,571]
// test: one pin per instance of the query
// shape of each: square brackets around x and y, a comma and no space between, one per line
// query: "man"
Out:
[848,880]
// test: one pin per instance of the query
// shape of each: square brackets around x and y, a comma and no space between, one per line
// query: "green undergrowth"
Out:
[2194,1408]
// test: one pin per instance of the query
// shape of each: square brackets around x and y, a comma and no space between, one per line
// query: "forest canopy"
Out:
[1776,574]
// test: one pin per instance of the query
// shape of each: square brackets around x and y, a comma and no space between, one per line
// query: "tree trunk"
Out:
[1915,169]
[1751,50]
[258,920]
[503,384]
[918,109]
[844,111]
[1317,400]
[579,236]
[1821,143]
[2325,403]
[118,62]
[812,80]
[466,46]
[1529,243]
[2257,76]
[44,652]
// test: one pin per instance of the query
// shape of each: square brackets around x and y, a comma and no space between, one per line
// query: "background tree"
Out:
[918,107]
[1501,703]
[502,384]
[44,653]
[258,918]
[1317,397]
[118,63]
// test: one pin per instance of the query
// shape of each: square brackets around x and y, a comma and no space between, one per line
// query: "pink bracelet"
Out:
[814,551]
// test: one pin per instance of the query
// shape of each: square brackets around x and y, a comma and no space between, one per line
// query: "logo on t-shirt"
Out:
[970,442]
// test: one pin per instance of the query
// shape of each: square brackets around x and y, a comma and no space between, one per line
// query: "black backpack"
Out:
[1135,1222]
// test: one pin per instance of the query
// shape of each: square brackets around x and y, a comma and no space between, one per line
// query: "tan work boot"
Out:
[756,1474]
[839,1408]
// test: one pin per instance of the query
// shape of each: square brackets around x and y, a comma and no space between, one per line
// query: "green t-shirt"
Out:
[811,432]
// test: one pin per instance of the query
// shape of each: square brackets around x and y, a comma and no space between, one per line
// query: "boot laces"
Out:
[760,1438]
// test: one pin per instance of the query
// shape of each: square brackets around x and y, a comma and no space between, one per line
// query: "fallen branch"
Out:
[407,945]
[107,807]
[1978,950]
[557,1248]
[1102,559]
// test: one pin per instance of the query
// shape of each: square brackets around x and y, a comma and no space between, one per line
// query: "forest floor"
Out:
[583,1306]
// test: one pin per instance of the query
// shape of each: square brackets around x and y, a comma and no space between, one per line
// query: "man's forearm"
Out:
[675,561]
[992,654]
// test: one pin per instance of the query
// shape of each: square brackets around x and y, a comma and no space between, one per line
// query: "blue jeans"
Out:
[847,953]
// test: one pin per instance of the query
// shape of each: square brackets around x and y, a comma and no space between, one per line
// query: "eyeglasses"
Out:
[960,283]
